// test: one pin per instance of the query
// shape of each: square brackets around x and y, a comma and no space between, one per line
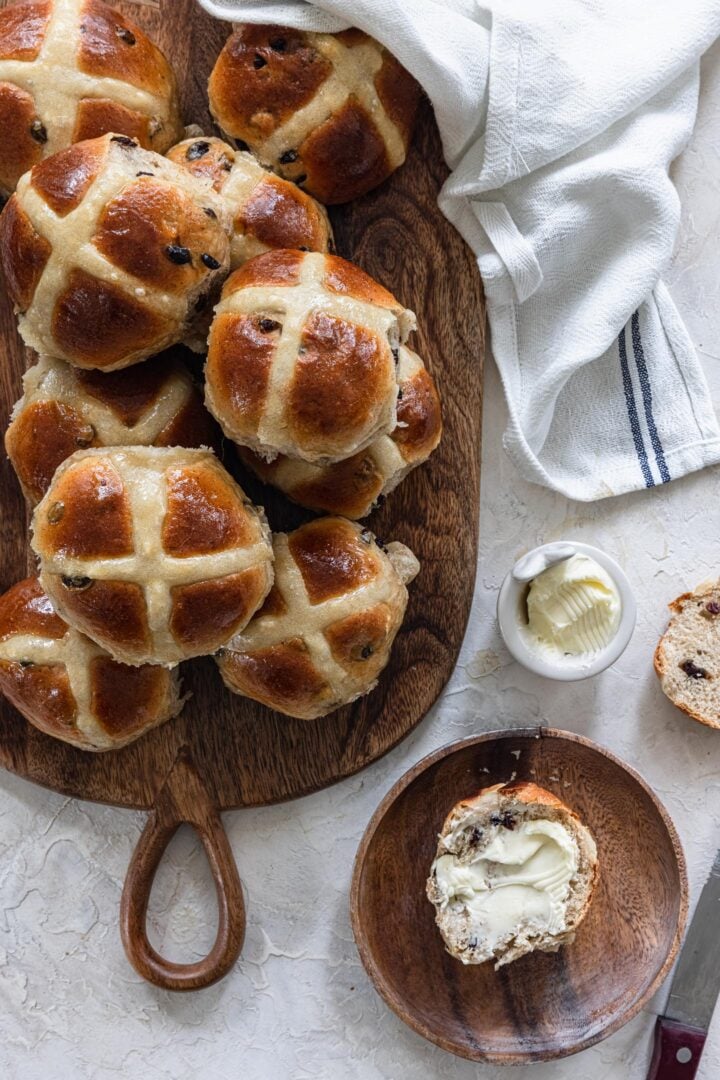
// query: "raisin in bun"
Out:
[267,211]
[332,112]
[687,659]
[67,686]
[326,629]
[74,69]
[353,486]
[64,409]
[302,357]
[109,252]
[514,873]
[156,554]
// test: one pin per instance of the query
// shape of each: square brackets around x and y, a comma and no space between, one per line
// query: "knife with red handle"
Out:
[677,1050]
[680,1034]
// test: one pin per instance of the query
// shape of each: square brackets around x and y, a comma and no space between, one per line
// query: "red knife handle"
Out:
[677,1050]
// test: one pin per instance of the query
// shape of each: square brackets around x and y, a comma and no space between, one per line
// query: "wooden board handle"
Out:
[677,1050]
[182,799]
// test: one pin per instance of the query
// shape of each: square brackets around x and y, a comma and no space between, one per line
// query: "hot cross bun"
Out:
[74,69]
[325,631]
[332,112]
[267,212]
[302,357]
[64,409]
[110,251]
[353,486]
[67,686]
[156,554]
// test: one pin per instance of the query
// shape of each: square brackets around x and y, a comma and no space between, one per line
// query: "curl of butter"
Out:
[574,607]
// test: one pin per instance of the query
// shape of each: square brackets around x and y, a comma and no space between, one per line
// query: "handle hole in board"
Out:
[182,916]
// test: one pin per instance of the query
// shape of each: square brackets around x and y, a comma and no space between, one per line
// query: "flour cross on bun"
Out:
[302,357]
[326,629]
[333,112]
[70,688]
[64,409]
[74,69]
[353,486]
[110,252]
[156,554]
[267,211]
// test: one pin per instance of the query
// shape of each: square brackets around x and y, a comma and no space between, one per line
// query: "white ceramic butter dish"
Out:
[604,609]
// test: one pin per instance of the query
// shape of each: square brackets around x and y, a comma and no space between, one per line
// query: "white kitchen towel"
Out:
[560,120]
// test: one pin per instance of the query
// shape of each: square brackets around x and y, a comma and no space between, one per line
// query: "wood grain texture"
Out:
[246,754]
[544,1005]
[182,799]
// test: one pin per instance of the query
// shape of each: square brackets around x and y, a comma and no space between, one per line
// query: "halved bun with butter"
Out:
[514,872]
[687,659]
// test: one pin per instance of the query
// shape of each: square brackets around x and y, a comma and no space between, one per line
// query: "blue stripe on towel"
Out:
[633,413]
[647,398]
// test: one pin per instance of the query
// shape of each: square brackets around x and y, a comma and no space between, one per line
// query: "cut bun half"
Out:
[514,873]
[687,658]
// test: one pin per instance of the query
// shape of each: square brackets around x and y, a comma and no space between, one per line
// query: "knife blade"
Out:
[696,982]
[680,1033]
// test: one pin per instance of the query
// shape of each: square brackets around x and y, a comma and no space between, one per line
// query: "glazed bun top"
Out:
[156,554]
[74,69]
[267,211]
[302,357]
[67,686]
[64,409]
[332,112]
[354,486]
[109,252]
[326,629]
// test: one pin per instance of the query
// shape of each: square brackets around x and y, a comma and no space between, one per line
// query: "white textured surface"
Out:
[298,1005]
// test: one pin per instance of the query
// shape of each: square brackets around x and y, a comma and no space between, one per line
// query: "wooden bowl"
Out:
[544,1005]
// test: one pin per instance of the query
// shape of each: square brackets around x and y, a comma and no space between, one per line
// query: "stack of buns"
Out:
[116,244]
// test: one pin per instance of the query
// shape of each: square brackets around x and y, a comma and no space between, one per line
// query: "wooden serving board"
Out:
[241,753]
